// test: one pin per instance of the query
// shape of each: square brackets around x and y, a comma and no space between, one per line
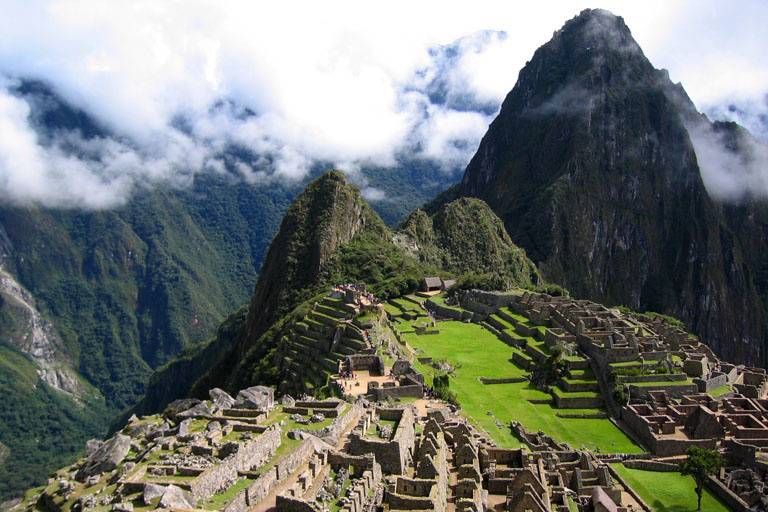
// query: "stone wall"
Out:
[652,465]
[672,391]
[381,394]
[617,477]
[706,385]
[403,502]
[495,300]
[577,402]
[333,432]
[507,380]
[719,489]
[248,455]
[672,377]
[395,454]
[367,362]
[263,485]
[285,503]
[448,312]
[660,446]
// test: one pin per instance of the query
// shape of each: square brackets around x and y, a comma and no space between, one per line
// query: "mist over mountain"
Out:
[603,170]
[142,199]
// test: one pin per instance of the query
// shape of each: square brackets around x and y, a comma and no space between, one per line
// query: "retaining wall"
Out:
[247,456]
[263,485]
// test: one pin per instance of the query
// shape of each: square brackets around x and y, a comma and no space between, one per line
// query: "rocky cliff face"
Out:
[591,167]
[28,331]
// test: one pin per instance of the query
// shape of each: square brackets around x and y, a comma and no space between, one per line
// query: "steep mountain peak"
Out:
[325,216]
[591,166]
[599,29]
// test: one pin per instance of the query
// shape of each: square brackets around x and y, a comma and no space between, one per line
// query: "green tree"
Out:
[550,372]
[700,463]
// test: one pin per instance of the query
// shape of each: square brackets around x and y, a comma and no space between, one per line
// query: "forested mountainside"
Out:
[591,165]
[330,236]
[109,295]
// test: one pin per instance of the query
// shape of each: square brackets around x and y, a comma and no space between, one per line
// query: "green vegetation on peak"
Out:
[329,236]
[325,216]
[465,236]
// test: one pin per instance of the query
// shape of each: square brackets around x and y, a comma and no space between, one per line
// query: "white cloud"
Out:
[329,82]
[730,175]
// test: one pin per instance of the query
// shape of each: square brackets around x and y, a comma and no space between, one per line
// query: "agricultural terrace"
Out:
[668,492]
[475,352]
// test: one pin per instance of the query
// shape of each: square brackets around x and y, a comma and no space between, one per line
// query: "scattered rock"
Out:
[137,430]
[295,434]
[106,458]
[213,426]
[175,497]
[317,418]
[127,468]
[184,428]
[199,410]
[228,449]
[122,507]
[255,397]
[287,400]
[152,492]
[92,445]
[221,398]
[178,406]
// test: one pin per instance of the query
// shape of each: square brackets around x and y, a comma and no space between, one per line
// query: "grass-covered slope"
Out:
[668,492]
[474,352]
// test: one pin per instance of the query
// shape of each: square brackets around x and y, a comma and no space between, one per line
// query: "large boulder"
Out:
[402,367]
[256,397]
[152,492]
[201,410]
[221,398]
[92,445]
[177,406]
[184,427]
[106,458]
[174,498]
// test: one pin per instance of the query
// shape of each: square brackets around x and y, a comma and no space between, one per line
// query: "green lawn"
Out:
[476,352]
[720,391]
[668,383]
[668,492]
[392,310]
[218,501]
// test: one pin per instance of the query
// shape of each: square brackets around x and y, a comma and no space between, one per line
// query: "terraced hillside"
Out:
[315,344]
[488,365]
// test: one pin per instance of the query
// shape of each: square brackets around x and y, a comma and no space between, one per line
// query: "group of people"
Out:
[347,380]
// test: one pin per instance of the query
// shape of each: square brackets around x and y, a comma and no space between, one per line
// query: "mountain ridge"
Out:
[364,251]
[591,167]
